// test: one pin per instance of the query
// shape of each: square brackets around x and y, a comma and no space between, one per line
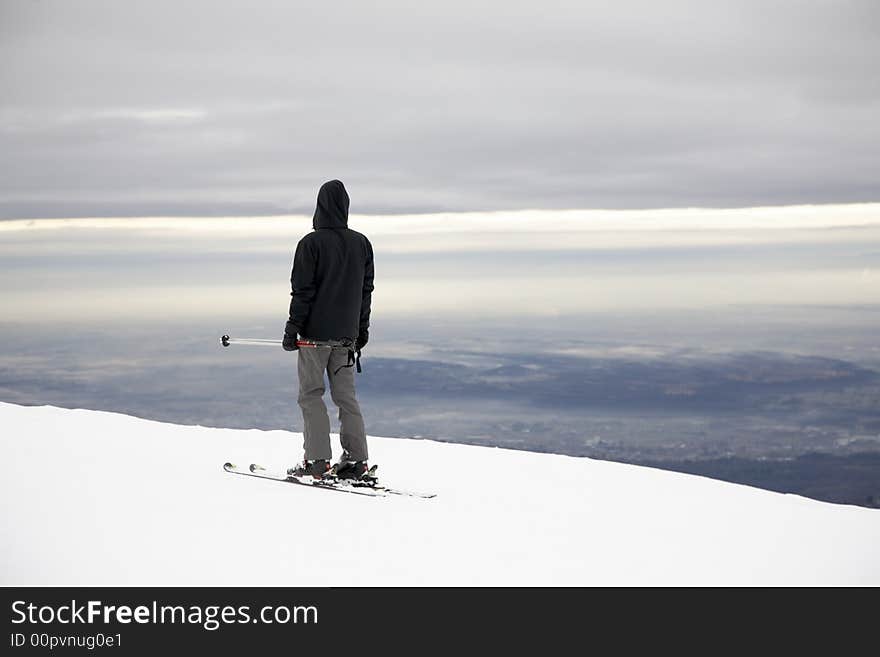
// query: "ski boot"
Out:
[317,469]
[357,472]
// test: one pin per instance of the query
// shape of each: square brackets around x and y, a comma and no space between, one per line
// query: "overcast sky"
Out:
[225,108]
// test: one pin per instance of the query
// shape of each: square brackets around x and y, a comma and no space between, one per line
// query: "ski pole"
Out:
[226,341]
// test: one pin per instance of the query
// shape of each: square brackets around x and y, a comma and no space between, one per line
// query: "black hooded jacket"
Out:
[332,278]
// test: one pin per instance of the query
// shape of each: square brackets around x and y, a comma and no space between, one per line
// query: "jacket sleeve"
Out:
[367,293]
[302,285]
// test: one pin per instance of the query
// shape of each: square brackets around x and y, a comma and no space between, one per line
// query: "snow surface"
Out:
[101,498]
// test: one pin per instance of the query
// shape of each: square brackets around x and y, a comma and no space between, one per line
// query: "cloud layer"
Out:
[532,266]
[205,108]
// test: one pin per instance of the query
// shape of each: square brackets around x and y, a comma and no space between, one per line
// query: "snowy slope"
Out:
[101,498]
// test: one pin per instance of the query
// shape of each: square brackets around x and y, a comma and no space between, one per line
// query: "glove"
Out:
[363,339]
[289,340]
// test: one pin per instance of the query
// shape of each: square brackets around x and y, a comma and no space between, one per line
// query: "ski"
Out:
[341,485]
[408,493]
[262,473]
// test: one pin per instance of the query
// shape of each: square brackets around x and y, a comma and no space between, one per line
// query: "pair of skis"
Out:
[369,489]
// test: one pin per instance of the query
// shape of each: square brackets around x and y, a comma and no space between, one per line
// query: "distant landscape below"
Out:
[806,424]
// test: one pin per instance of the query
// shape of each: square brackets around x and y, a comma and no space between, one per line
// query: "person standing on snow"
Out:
[331,287]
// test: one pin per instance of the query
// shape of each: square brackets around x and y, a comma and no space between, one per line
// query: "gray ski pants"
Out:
[311,364]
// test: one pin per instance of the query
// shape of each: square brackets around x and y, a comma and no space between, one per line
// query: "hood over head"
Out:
[332,209]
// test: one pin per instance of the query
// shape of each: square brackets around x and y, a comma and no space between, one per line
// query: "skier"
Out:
[331,287]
